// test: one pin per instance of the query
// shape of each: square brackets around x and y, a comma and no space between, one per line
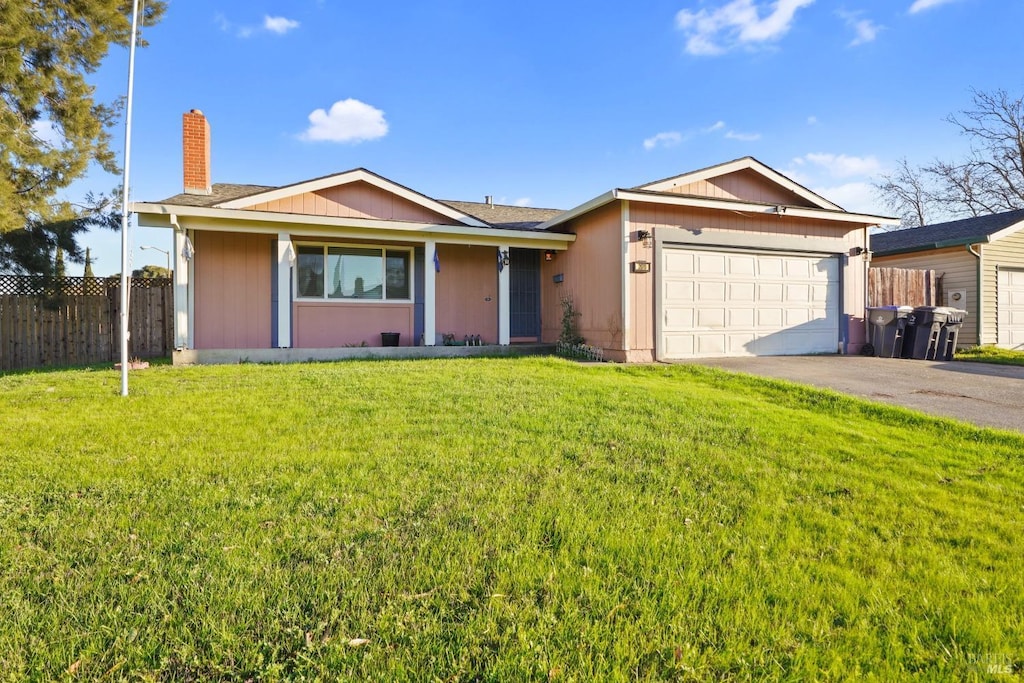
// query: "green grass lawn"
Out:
[513,519]
[991,354]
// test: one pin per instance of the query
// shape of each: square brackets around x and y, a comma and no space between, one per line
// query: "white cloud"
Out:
[279,25]
[666,139]
[922,5]
[864,30]
[347,121]
[718,125]
[812,120]
[523,201]
[853,196]
[842,165]
[743,137]
[737,23]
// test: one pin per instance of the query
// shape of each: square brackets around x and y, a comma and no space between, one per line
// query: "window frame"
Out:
[384,249]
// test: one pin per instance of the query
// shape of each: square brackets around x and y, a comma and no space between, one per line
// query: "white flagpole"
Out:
[124,201]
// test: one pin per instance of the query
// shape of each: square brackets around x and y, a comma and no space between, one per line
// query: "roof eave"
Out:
[157,212]
[945,244]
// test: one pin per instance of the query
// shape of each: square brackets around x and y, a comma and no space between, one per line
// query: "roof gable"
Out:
[745,179]
[357,194]
[951,233]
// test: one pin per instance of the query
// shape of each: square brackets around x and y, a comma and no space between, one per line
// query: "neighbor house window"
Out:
[349,272]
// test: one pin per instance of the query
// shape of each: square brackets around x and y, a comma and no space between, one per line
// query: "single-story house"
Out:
[735,259]
[981,261]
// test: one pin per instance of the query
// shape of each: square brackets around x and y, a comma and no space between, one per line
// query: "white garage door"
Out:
[1010,309]
[734,303]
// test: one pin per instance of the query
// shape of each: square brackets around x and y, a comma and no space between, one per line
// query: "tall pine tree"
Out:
[51,126]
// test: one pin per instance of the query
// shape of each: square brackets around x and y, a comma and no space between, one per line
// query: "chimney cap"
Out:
[196,111]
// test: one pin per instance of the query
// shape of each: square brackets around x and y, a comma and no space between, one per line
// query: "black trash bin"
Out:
[888,327]
[389,338]
[949,333]
[922,339]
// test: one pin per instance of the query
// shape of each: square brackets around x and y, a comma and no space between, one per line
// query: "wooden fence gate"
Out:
[903,287]
[52,322]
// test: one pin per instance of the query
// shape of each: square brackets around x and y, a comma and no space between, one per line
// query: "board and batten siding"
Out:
[958,270]
[1007,252]
[591,274]
[467,291]
[353,200]
[232,290]
[743,185]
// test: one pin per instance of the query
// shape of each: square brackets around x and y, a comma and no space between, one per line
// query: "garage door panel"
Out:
[679,290]
[770,267]
[770,291]
[711,264]
[710,318]
[711,292]
[733,304]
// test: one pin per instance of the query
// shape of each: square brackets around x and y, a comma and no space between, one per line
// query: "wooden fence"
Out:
[48,322]
[903,287]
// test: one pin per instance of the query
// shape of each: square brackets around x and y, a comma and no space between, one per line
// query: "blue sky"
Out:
[549,104]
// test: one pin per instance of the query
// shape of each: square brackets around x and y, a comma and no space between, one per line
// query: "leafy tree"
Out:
[51,126]
[989,179]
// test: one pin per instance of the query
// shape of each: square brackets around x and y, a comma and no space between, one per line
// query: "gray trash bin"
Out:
[888,326]
[922,339]
[949,333]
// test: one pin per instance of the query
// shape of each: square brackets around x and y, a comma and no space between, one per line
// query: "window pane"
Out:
[354,273]
[311,271]
[397,275]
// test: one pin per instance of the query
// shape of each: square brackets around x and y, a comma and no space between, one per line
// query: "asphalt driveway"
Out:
[985,394]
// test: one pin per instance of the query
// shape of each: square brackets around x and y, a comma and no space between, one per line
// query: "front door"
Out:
[524,294]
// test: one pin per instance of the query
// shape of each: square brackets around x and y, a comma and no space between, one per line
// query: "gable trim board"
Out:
[355,175]
[743,164]
[713,203]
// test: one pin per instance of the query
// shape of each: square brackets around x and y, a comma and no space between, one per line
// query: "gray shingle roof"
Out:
[495,215]
[504,216]
[950,234]
[220,192]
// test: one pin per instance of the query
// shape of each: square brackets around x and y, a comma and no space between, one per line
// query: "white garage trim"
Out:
[1010,308]
[712,300]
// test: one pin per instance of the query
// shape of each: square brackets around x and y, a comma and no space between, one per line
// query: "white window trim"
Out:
[353,301]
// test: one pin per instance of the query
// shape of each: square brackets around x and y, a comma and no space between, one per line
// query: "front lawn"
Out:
[482,519]
[991,354]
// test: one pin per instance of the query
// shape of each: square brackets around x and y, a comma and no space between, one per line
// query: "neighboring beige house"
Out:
[735,259]
[981,262]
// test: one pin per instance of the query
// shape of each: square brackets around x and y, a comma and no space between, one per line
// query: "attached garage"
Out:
[730,260]
[1010,309]
[730,302]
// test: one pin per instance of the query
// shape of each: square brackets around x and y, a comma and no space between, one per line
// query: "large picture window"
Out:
[354,273]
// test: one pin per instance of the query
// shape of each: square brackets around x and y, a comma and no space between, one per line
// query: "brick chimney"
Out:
[195,135]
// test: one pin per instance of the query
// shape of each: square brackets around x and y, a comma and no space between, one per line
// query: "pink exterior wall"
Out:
[232,290]
[332,324]
[468,278]
[354,200]
[592,271]
[653,216]
[745,185]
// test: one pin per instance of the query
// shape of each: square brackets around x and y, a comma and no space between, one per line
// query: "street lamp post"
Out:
[166,252]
